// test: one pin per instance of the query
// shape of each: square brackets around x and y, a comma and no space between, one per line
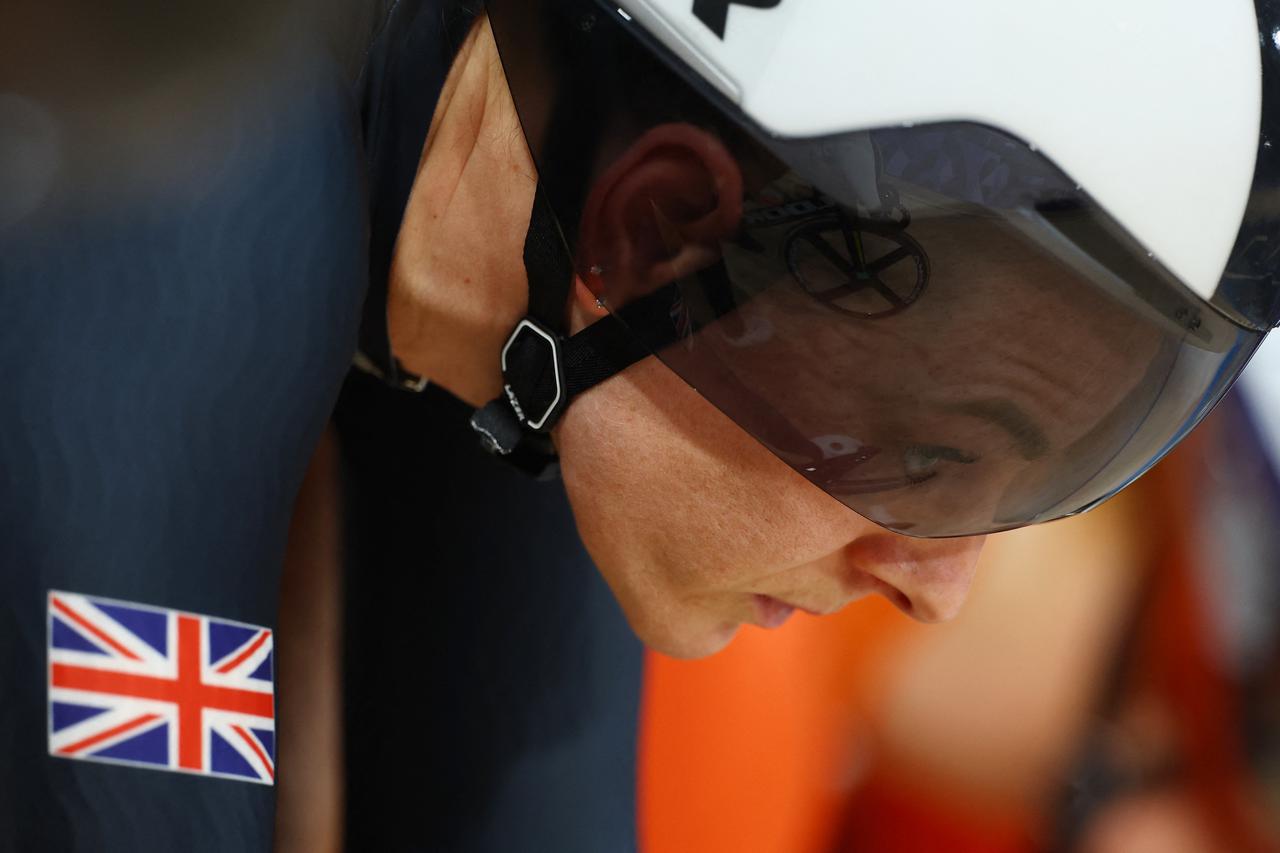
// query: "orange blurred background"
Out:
[1084,700]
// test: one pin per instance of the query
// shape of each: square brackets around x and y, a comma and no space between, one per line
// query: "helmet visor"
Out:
[934,325]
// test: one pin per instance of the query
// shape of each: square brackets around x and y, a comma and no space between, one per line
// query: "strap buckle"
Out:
[533,372]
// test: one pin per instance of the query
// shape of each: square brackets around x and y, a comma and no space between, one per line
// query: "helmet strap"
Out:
[543,370]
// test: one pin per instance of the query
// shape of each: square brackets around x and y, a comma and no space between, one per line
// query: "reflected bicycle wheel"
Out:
[864,269]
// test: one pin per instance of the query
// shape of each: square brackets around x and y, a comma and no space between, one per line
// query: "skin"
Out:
[309,804]
[697,528]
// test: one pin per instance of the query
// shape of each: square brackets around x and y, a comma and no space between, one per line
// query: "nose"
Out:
[930,577]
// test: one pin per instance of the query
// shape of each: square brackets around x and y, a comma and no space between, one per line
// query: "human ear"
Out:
[660,212]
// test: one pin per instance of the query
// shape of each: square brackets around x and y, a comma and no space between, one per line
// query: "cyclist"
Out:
[953,322]
[1062,321]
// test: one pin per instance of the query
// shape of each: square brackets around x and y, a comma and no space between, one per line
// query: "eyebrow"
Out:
[1028,437]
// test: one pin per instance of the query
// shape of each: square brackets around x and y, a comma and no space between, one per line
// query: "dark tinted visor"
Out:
[934,324]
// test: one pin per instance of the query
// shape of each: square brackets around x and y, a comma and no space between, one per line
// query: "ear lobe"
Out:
[660,212]
[589,302]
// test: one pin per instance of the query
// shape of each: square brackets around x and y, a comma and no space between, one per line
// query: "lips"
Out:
[772,613]
[828,585]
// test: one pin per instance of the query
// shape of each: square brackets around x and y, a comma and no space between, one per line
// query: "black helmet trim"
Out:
[1250,289]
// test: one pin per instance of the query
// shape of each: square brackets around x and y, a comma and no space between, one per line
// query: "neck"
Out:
[458,285]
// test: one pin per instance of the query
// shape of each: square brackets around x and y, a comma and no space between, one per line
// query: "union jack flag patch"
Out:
[163,689]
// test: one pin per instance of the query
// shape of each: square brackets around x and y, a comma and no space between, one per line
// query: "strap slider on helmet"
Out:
[514,427]
[533,372]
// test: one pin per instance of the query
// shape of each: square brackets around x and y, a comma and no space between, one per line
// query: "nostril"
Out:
[927,580]
[903,602]
[925,608]
[896,597]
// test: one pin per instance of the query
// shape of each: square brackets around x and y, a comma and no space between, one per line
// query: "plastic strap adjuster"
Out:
[533,368]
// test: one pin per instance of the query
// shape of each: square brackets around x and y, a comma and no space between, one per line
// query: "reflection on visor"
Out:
[859,266]
[934,325]
[940,368]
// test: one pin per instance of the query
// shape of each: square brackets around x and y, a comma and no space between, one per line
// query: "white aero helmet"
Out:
[965,266]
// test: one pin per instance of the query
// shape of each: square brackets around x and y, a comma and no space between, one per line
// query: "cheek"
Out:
[645,491]
[680,509]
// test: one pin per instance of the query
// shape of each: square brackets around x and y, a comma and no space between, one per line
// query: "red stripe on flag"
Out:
[84,623]
[244,655]
[187,690]
[163,689]
[253,744]
[79,746]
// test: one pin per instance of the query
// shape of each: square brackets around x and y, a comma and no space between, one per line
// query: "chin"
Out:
[689,640]
[658,617]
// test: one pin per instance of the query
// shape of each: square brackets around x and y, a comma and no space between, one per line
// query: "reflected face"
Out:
[947,407]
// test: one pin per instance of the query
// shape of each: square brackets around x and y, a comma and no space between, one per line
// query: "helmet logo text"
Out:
[715,13]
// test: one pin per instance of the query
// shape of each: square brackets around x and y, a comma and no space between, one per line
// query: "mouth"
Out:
[771,613]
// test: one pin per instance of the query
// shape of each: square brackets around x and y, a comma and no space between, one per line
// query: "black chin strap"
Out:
[544,371]
[548,265]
